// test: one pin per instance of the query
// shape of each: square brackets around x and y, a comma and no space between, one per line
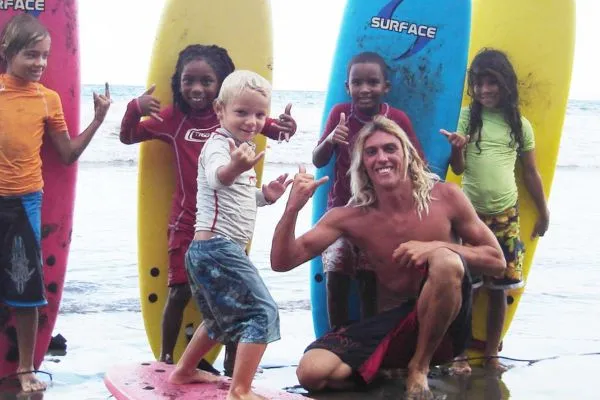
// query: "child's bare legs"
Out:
[495,323]
[185,371]
[26,325]
[179,296]
[247,359]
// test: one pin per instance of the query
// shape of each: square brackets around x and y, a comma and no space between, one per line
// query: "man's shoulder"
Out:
[446,193]
[449,199]
[346,210]
[345,215]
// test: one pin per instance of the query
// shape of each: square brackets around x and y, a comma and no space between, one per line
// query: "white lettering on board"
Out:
[393,25]
[23,5]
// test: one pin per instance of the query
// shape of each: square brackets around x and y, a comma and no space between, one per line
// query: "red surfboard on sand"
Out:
[61,75]
[148,381]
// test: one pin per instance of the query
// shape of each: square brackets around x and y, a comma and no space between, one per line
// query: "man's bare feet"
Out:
[417,387]
[179,377]
[236,395]
[29,382]
[494,364]
[460,366]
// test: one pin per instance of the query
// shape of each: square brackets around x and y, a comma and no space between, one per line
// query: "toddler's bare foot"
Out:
[179,377]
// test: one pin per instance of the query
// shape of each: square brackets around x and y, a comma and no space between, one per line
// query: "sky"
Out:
[116,38]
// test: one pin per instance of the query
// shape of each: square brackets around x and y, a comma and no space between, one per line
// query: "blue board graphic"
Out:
[425,44]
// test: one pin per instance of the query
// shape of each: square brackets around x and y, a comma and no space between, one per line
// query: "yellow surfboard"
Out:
[243,27]
[539,38]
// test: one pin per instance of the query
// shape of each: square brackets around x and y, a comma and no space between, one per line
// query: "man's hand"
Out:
[414,254]
[303,188]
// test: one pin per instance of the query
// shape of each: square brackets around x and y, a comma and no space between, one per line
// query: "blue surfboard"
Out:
[425,43]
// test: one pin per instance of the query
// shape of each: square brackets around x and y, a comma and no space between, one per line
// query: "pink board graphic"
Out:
[148,381]
[61,75]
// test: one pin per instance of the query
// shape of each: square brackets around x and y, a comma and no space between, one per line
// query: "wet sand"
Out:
[97,342]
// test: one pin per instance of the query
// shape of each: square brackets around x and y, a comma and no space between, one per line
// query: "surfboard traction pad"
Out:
[148,380]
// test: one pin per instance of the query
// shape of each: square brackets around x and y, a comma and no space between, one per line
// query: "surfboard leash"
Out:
[446,370]
[16,374]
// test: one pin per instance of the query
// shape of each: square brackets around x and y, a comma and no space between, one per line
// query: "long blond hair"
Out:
[423,180]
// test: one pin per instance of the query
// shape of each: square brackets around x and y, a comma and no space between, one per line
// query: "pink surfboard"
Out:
[148,381]
[61,75]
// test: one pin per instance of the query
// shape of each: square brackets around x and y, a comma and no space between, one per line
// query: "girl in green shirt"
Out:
[492,134]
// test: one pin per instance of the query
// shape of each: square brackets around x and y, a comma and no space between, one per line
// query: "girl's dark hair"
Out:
[495,65]
[215,56]
[20,32]
[369,57]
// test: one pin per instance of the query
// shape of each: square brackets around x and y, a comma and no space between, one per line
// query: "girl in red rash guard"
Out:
[186,125]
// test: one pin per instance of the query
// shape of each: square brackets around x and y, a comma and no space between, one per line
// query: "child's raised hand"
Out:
[243,157]
[456,140]
[275,189]
[149,105]
[101,103]
[286,124]
[340,133]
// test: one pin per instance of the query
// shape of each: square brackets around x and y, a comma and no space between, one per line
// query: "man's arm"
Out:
[480,247]
[287,252]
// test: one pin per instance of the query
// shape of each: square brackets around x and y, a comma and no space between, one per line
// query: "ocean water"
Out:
[100,312]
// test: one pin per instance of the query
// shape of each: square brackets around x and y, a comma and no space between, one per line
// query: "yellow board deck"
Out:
[243,27]
[539,38]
